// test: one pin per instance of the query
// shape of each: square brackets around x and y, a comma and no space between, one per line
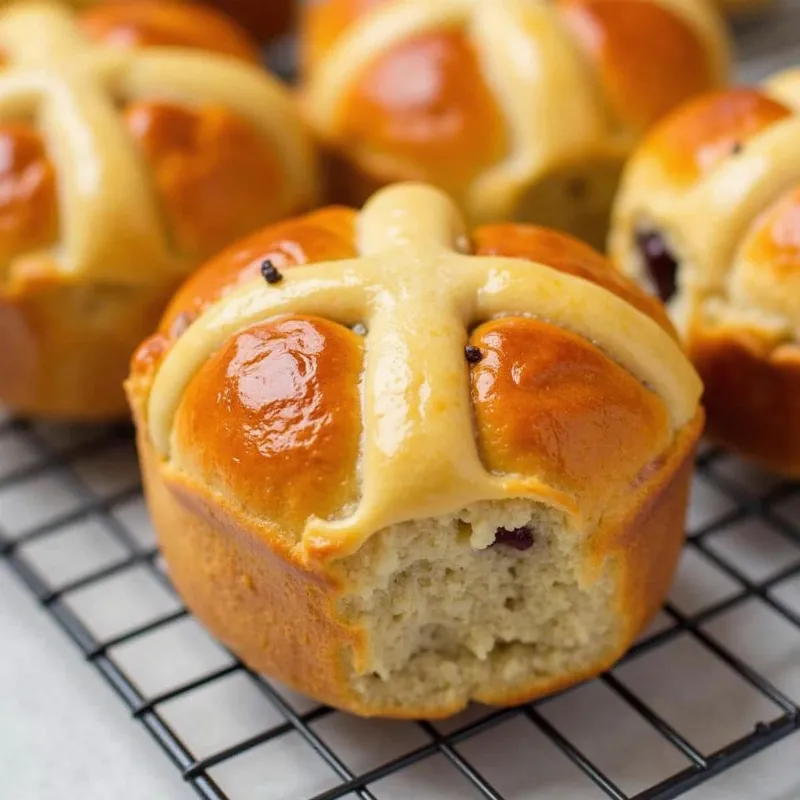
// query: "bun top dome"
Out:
[397,367]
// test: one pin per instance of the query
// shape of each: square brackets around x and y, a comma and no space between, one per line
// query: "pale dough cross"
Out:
[418,294]
[74,89]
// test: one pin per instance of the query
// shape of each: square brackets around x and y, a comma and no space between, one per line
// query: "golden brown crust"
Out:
[280,399]
[51,364]
[28,206]
[325,235]
[444,129]
[216,178]
[137,23]
[650,533]
[247,585]
[329,235]
[647,58]
[697,136]
[589,398]
[752,394]
[549,403]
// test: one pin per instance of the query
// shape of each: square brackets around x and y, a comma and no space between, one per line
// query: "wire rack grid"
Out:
[725,650]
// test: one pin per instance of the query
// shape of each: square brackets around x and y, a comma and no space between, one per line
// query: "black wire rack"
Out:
[73,528]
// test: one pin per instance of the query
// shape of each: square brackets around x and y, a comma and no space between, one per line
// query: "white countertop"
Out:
[63,732]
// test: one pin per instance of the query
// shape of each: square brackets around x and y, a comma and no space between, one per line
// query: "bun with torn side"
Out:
[400,466]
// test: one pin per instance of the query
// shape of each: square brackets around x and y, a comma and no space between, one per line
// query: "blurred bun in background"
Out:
[136,139]
[443,92]
[709,219]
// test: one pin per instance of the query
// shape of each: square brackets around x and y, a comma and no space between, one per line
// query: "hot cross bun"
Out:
[709,217]
[136,138]
[400,466]
[521,109]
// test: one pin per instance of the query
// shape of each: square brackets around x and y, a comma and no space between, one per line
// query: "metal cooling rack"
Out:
[73,528]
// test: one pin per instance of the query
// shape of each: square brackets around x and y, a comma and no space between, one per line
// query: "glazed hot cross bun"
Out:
[136,139]
[709,217]
[520,109]
[399,467]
